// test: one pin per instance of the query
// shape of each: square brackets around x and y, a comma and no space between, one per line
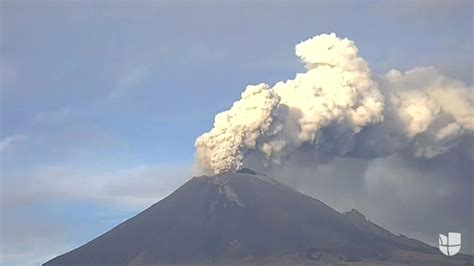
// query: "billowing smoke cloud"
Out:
[338,108]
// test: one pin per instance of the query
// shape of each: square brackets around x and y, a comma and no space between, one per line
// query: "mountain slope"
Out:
[242,218]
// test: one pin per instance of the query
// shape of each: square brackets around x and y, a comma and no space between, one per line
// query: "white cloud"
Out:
[8,142]
[129,80]
[31,239]
[52,116]
[135,187]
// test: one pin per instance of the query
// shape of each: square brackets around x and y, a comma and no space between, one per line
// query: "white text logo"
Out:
[451,244]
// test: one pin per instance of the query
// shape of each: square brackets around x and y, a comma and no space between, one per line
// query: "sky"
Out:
[101,102]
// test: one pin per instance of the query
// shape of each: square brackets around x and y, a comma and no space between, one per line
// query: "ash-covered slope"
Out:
[245,218]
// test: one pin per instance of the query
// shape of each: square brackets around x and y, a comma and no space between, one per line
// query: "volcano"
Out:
[245,218]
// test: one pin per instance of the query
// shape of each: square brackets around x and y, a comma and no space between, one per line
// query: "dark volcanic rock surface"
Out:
[237,218]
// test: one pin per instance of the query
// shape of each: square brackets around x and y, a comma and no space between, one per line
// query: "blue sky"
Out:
[101,102]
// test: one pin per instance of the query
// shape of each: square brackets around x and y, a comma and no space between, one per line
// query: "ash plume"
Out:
[339,108]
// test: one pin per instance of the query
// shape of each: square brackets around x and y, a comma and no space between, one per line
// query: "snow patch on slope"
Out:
[226,190]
